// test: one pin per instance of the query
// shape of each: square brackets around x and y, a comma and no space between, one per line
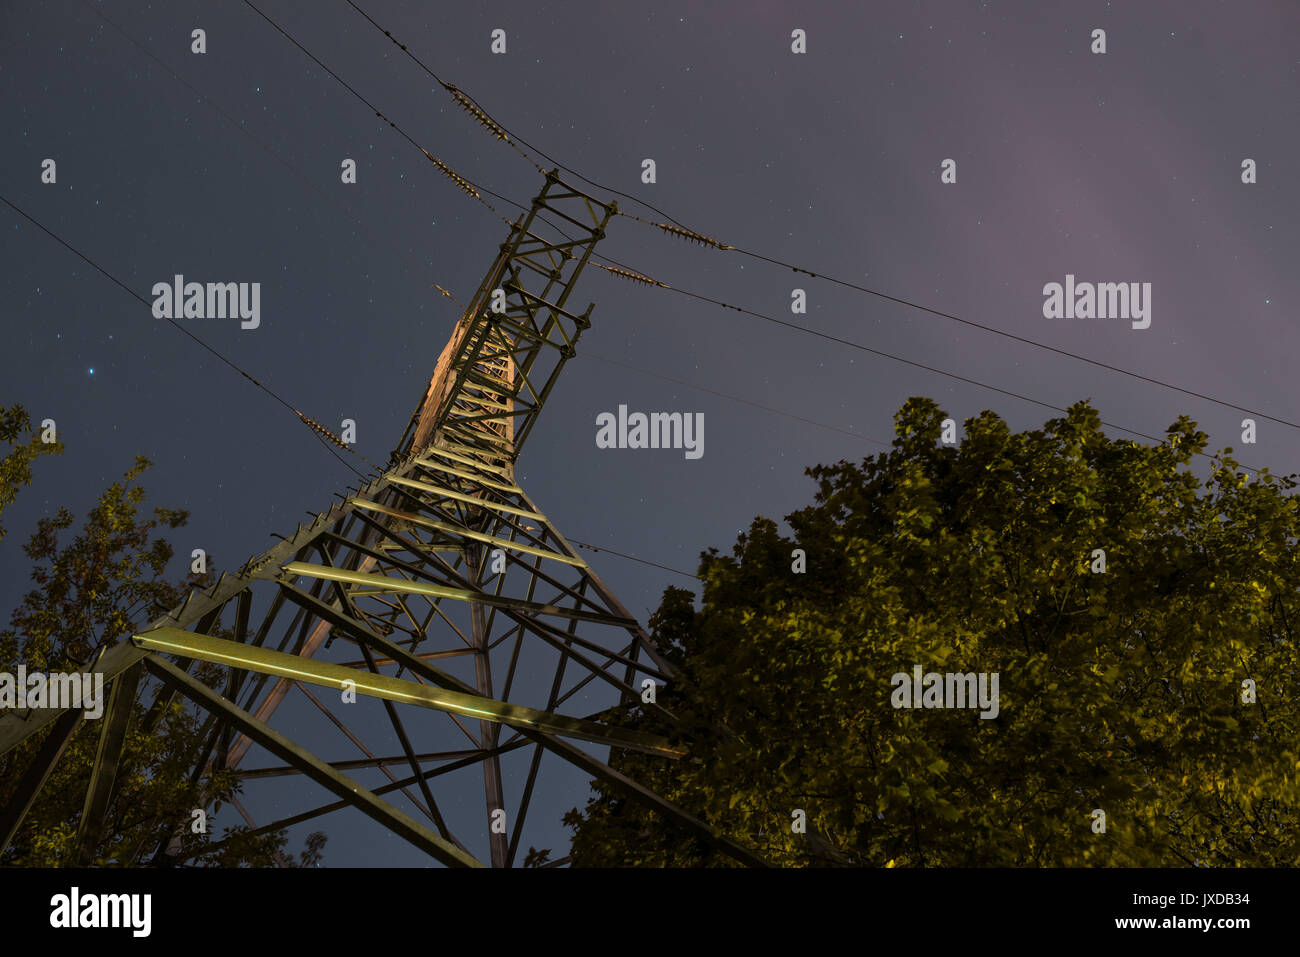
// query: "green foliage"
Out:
[16,467]
[91,593]
[1119,690]
[537,857]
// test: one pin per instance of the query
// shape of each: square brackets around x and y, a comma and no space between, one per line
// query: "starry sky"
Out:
[225,166]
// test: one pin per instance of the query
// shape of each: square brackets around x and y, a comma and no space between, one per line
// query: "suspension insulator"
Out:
[692,236]
[452,175]
[321,430]
[474,110]
[629,274]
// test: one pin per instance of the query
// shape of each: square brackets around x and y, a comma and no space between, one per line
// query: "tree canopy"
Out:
[1141,623]
[92,592]
[16,466]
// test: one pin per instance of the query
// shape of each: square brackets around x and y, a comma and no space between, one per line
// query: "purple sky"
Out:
[1122,167]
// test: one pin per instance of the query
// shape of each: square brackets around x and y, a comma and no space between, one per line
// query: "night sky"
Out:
[1119,167]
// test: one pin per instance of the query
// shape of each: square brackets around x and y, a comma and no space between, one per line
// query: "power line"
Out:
[696,237]
[330,449]
[699,388]
[207,101]
[641,278]
[502,132]
[462,180]
[734,398]
[482,114]
[321,433]
[212,105]
[633,558]
[325,436]
[470,188]
[1022,339]
[309,422]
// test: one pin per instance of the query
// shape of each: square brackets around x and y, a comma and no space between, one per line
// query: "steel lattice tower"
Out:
[439,561]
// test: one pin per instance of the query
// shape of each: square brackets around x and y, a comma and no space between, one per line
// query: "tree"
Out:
[91,593]
[16,466]
[1159,691]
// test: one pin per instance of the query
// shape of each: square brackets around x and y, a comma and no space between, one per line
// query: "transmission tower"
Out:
[438,589]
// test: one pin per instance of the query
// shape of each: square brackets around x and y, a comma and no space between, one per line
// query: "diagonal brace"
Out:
[313,767]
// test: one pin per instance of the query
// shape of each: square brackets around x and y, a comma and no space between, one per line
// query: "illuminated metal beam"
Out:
[460,532]
[437,491]
[381,584]
[177,642]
